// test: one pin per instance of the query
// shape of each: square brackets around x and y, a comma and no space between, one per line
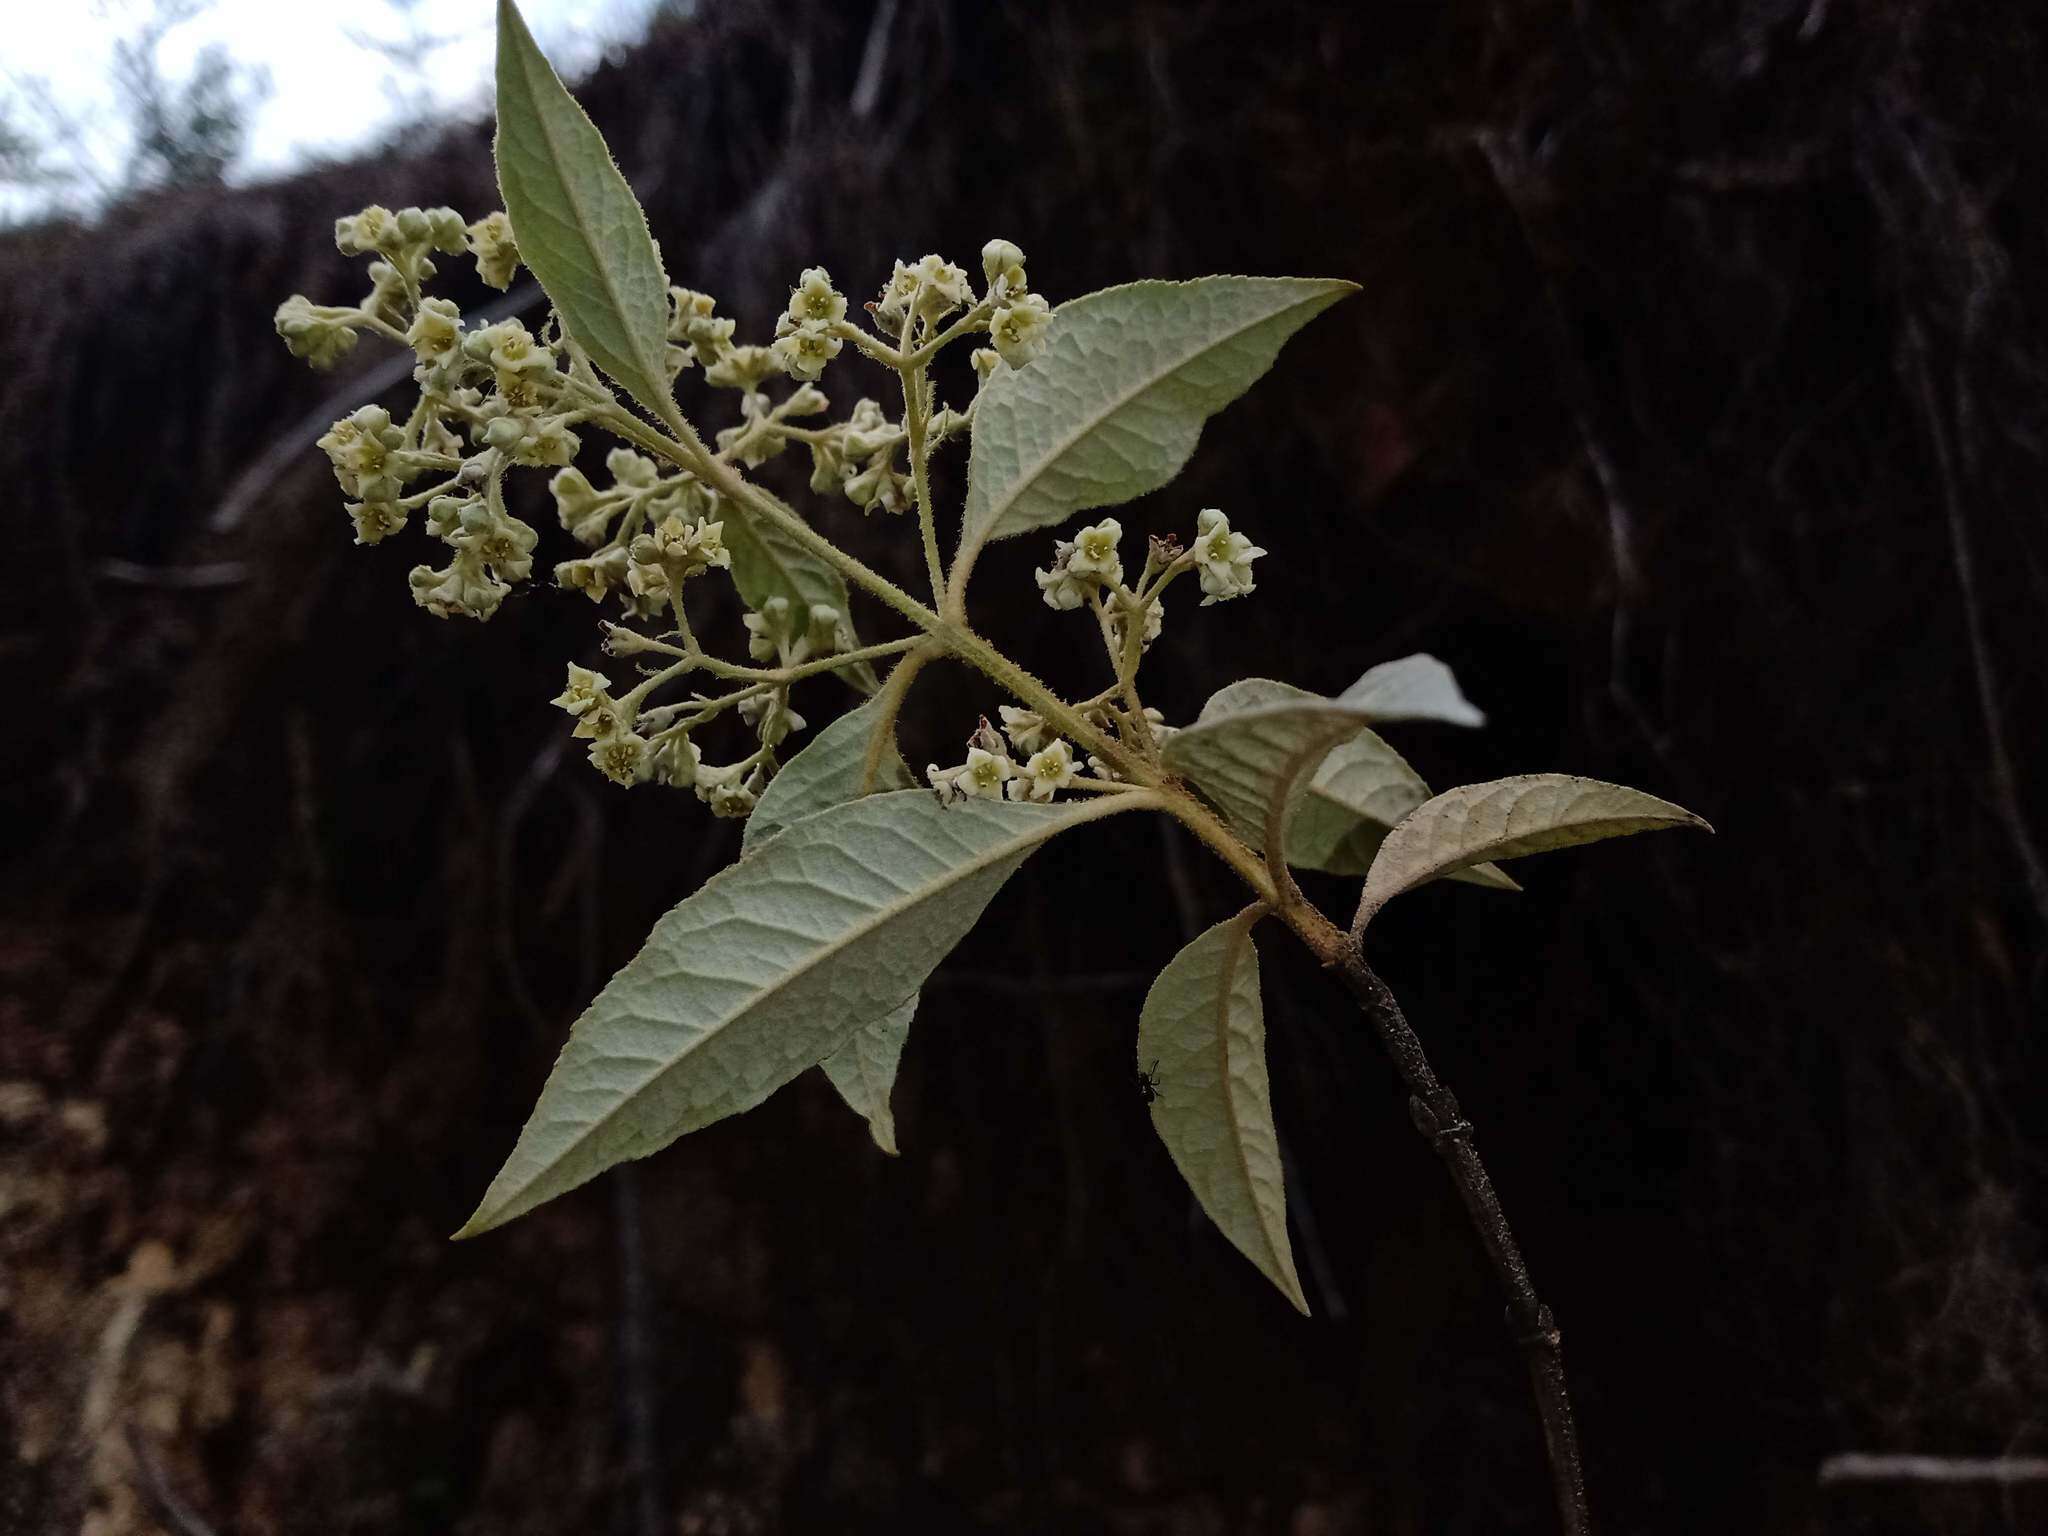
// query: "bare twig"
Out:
[1437,1117]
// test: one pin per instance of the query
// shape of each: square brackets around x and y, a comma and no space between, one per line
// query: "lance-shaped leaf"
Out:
[579,227]
[1114,407]
[864,1071]
[828,772]
[1361,790]
[1256,743]
[766,970]
[1508,819]
[1202,1036]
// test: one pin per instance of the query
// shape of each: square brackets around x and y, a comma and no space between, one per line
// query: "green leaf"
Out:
[766,970]
[1362,789]
[1508,819]
[827,772]
[864,1071]
[768,563]
[1114,407]
[578,225]
[1203,1037]
[1257,742]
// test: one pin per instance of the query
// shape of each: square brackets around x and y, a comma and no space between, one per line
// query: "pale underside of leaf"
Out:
[1115,406]
[1509,819]
[864,1070]
[1417,687]
[827,772]
[1244,763]
[579,227]
[1258,741]
[764,971]
[1358,794]
[1203,1037]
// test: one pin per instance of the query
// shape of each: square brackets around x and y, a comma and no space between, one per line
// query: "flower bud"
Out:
[497,255]
[307,333]
[1002,268]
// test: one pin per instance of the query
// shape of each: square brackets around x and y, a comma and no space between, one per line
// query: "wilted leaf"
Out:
[827,772]
[1362,789]
[1203,1037]
[864,1071]
[1114,407]
[766,970]
[577,223]
[1508,819]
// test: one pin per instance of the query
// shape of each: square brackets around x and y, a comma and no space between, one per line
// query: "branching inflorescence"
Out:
[854,883]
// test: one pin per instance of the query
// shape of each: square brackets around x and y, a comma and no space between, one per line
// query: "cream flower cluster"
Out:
[992,774]
[500,396]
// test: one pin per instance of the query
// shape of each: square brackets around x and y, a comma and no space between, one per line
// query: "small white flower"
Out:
[1223,559]
[771,717]
[1059,587]
[1026,729]
[436,332]
[727,794]
[1019,329]
[897,293]
[985,773]
[945,783]
[1048,770]
[804,351]
[676,762]
[1095,557]
[621,757]
[815,300]
[942,288]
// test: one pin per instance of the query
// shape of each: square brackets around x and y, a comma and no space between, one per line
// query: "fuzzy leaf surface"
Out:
[1358,794]
[1509,819]
[864,1071]
[825,773]
[764,971]
[1258,741]
[1114,407]
[1417,687]
[578,225]
[1203,1035]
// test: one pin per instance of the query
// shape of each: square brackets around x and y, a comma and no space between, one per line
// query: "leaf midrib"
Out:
[1240,939]
[1085,812]
[530,55]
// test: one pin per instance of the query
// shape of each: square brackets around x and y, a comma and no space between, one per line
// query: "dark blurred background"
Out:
[1694,409]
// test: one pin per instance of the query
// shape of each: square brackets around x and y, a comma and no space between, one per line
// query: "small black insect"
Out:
[1148,1083]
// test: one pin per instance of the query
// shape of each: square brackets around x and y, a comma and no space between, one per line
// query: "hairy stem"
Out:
[689,453]
[916,399]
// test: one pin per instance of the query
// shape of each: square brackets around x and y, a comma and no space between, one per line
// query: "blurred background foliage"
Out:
[1693,410]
